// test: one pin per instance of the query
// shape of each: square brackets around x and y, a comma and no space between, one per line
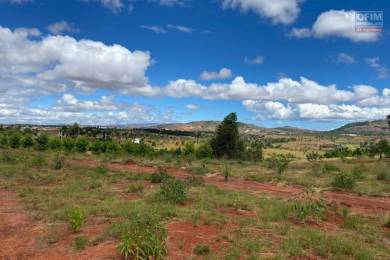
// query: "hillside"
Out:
[378,127]
[210,126]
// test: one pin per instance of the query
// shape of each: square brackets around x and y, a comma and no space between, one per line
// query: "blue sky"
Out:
[275,63]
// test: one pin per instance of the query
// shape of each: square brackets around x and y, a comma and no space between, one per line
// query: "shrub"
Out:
[194,181]
[55,143]
[201,249]
[68,144]
[80,242]
[14,140]
[145,239]
[204,151]
[39,160]
[27,141]
[3,140]
[173,190]
[76,219]
[357,172]
[81,144]
[59,162]
[159,175]
[101,170]
[344,181]
[382,173]
[226,173]
[135,188]
[278,163]
[312,156]
[305,209]
[42,142]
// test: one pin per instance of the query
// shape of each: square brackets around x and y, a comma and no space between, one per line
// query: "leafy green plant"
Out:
[278,162]
[159,175]
[76,218]
[226,173]
[42,141]
[135,188]
[80,242]
[173,190]
[201,249]
[344,181]
[145,239]
[305,209]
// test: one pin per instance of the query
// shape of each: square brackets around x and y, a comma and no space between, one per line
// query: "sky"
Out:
[123,62]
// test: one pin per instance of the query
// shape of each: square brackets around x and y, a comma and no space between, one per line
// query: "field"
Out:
[82,205]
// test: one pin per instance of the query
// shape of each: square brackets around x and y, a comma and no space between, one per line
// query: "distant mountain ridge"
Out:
[210,126]
[377,127]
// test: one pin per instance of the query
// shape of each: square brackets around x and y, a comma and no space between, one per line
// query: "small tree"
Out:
[27,141]
[227,142]
[42,142]
[81,144]
[14,140]
[278,162]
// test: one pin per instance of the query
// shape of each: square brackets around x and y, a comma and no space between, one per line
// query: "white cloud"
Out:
[345,58]
[269,109]
[114,5]
[254,61]
[68,102]
[279,11]
[335,23]
[62,27]
[180,28]
[223,73]
[192,106]
[172,2]
[56,61]
[32,32]
[300,33]
[383,71]
[154,28]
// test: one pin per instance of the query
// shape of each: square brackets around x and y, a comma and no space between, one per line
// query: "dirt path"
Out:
[21,237]
[359,204]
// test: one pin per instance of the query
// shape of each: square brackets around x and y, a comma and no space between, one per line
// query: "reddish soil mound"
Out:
[183,237]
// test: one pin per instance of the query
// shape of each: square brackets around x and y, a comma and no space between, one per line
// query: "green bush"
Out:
[204,151]
[55,143]
[68,144]
[344,181]
[27,141]
[80,242]
[201,249]
[173,190]
[135,188]
[278,163]
[42,141]
[312,156]
[81,144]
[159,175]
[15,140]
[145,239]
[76,218]
[194,181]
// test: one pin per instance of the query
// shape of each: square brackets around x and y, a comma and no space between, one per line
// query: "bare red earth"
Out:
[183,237]
[20,236]
[358,204]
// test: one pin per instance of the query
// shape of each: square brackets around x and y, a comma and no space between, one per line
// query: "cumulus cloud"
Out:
[254,61]
[345,58]
[383,71]
[223,73]
[62,27]
[64,61]
[335,23]
[279,11]
[18,2]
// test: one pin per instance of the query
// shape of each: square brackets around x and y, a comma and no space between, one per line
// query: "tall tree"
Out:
[227,142]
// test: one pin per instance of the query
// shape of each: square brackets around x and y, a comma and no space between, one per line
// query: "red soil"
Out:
[184,236]
[359,204]
[20,236]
